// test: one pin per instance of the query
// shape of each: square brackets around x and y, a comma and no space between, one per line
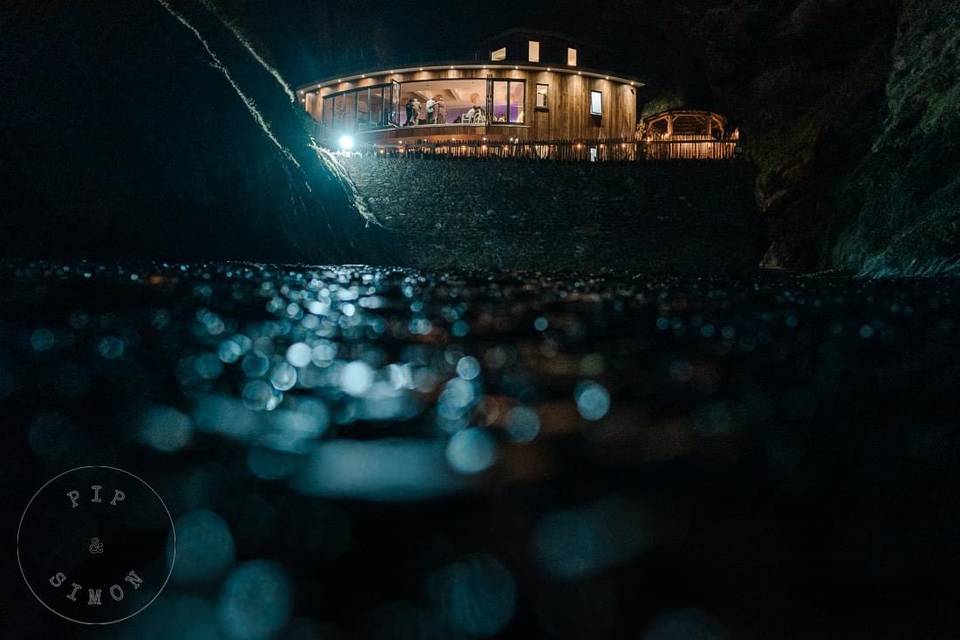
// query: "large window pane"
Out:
[328,111]
[501,103]
[349,111]
[517,96]
[457,101]
[363,108]
[508,101]
[376,107]
[395,103]
[339,109]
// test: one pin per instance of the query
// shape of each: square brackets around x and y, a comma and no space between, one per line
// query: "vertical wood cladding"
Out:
[567,117]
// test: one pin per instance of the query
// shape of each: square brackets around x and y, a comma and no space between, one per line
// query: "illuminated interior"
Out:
[459,98]
[475,101]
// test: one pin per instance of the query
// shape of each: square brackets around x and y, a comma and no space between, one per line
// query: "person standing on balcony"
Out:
[441,110]
[409,107]
[431,111]
[417,110]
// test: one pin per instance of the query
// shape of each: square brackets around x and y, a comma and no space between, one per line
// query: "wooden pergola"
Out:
[685,124]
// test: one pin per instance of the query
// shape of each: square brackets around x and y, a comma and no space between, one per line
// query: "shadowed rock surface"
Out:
[848,108]
[909,183]
[683,216]
[127,134]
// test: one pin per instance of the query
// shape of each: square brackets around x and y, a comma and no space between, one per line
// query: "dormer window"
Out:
[499,54]
[534,51]
[571,57]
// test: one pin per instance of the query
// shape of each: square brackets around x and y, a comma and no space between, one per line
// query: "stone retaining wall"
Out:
[682,216]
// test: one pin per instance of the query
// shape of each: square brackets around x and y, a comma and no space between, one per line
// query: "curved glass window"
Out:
[366,108]
[444,101]
[327,112]
[363,108]
[377,111]
[440,101]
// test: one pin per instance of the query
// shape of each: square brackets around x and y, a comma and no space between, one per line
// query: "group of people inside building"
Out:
[434,111]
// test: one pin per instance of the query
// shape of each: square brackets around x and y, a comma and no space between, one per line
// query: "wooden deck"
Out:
[559,150]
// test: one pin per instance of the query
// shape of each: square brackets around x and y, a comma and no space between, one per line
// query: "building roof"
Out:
[472,64]
[523,31]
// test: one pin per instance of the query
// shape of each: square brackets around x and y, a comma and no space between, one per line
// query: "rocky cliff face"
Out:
[903,199]
[849,109]
[150,130]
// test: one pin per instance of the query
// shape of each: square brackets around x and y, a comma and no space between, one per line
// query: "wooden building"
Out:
[525,86]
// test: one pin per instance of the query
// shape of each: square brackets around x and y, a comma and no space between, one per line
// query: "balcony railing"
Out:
[562,150]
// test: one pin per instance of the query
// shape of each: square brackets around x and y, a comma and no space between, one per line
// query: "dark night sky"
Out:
[310,39]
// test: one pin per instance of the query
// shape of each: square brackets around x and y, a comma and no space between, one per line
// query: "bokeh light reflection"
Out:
[205,548]
[256,601]
[477,596]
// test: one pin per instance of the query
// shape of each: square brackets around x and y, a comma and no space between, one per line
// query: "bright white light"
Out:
[346,143]
[356,378]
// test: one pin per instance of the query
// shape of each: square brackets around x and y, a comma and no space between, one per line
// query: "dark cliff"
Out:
[147,130]
[849,109]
